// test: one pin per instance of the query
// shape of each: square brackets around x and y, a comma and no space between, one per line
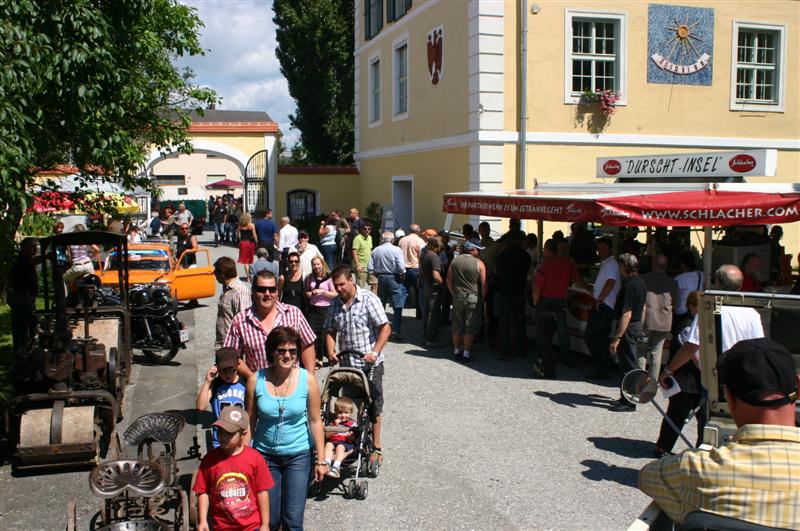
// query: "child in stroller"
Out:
[340,443]
[349,387]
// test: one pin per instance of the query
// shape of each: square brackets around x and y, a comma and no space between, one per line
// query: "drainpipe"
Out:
[523,93]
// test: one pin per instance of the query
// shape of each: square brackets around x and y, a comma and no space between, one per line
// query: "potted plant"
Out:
[606,98]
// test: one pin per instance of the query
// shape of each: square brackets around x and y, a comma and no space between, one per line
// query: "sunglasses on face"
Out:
[264,289]
[292,352]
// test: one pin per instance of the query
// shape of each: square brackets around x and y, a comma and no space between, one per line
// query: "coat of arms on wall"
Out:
[436,54]
[680,43]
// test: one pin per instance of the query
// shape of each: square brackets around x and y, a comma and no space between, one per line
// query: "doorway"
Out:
[403,200]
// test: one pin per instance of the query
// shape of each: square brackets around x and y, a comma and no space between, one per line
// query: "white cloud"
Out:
[240,62]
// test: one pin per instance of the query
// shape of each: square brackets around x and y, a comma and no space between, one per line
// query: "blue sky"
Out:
[240,62]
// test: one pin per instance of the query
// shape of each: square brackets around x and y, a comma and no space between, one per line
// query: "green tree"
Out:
[315,50]
[90,83]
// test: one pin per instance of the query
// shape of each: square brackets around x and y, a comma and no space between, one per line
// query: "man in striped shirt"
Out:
[756,476]
[248,331]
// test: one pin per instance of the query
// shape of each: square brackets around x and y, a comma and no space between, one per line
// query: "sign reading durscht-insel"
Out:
[761,162]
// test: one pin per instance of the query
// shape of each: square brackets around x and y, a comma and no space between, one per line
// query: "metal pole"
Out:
[523,93]
[707,245]
[672,425]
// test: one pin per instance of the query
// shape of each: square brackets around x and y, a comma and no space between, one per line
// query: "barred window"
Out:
[756,66]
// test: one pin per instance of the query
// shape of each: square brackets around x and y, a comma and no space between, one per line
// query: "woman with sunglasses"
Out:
[284,406]
[290,285]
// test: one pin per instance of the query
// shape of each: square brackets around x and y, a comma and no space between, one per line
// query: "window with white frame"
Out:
[758,61]
[375,90]
[595,51]
[401,78]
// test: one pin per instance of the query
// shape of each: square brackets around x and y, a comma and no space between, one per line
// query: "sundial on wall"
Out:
[680,44]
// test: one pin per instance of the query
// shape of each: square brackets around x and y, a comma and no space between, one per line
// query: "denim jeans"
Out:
[287,498]
[219,232]
[392,290]
[549,316]
[329,254]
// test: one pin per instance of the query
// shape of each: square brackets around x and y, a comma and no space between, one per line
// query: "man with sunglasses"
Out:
[357,319]
[249,330]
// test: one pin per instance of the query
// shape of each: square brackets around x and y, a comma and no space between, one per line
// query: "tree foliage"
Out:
[315,50]
[91,83]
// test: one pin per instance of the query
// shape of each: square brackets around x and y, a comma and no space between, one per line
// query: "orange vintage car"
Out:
[155,263]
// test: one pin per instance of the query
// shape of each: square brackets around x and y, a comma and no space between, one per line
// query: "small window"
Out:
[167,180]
[375,91]
[401,78]
[373,18]
[395,9]
[595,54]
[758,67]
[301,204]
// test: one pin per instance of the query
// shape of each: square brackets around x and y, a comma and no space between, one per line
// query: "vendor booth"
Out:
[621,204]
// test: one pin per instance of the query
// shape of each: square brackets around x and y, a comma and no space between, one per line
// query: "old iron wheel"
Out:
[362,490]
[115,374]
[182,519]
[168,350]
[193,503]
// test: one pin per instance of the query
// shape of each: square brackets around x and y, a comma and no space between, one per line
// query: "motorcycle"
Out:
[156,329]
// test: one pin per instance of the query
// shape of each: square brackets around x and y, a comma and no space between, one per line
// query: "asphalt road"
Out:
[478,446]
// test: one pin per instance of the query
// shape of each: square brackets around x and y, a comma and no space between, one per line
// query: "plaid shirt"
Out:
[755,478]
[357,326]
[235,298]
[249,337]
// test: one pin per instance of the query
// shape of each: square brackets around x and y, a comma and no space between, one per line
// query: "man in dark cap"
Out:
[753,478]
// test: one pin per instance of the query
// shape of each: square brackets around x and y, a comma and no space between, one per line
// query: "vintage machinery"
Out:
[69,387]
[142,493]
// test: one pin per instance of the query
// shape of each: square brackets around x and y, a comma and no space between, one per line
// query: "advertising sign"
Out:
[760,162]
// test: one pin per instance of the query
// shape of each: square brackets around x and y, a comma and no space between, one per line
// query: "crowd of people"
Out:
[300,306]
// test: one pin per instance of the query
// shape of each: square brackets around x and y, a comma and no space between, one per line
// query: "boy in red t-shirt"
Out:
[233,479]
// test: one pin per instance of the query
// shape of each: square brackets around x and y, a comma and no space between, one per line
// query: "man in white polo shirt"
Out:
[598,329]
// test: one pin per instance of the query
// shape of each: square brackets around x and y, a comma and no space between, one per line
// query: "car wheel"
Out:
[168,348]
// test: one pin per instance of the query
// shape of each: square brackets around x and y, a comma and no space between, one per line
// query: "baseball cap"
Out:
[233,419]
[429,233]
[227,357]
[471,245]
[399,233]
[754,367]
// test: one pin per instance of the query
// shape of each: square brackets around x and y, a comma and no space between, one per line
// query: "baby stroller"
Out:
[352,383]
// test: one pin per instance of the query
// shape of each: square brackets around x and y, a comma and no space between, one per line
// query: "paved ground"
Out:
[478,446]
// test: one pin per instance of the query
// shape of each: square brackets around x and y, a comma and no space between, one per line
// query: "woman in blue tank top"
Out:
[284,406]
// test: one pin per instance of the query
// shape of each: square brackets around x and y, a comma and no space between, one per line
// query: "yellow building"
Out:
[240,146]
[440,86]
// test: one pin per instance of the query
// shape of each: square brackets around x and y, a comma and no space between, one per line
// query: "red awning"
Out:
[225,183]
[667,205]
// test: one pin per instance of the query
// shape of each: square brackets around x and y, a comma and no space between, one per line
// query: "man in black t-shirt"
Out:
[629,312]
[219,217]
[432,286]
[512,266]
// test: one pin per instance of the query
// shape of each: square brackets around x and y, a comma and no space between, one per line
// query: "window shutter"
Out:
[390,10]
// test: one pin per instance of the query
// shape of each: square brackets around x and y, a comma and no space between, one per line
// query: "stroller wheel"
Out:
[350,489]
[362,490]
